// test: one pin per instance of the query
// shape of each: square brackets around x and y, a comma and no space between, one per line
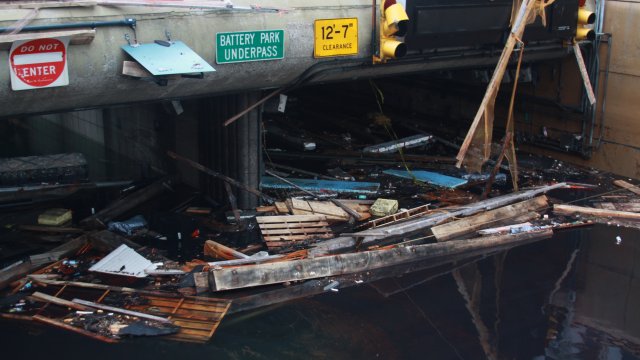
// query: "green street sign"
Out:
[232,47]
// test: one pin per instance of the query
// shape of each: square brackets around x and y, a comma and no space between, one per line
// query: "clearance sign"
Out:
[40,63]
[335,37]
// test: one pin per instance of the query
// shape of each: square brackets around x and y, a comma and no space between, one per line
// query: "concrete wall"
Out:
[619,151]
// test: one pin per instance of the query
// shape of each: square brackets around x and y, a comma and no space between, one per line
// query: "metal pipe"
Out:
[88,24]
[604,90]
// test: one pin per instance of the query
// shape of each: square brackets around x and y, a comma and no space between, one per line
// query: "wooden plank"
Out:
[188,324]
[488,101]
[320,207]
[61,325]
[573,210]
[250,260]
[318,267]
[584,74]
[187,305]
[623,184]
[120,311]
[294,225]
[78,37]
[271,238]
[50,229]
[59,301]
[281,207]
[42,4]
[490,218]
[134,69]
[290,219]
[294,231]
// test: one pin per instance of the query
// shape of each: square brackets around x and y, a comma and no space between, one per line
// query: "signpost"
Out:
[335,37]
[40,63]
[242,46]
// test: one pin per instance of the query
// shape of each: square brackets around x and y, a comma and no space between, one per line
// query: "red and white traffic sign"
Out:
[39,63]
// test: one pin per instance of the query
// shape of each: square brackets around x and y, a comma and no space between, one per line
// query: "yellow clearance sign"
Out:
[336,37]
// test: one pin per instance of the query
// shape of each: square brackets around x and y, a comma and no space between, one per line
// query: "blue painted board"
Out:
[168,60]
[428,177]
[354,187]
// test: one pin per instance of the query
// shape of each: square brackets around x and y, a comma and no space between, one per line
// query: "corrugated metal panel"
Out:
[124,261]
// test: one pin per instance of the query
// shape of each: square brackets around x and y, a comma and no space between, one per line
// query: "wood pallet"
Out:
[285,231]
[197,317]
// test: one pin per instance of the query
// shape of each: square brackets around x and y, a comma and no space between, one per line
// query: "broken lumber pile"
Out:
[413,226]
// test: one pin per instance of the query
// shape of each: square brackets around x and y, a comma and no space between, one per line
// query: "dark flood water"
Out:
[590,278]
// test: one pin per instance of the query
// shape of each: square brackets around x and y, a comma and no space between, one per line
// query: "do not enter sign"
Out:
[39,63]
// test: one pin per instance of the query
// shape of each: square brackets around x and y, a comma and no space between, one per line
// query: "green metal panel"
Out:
[176,58]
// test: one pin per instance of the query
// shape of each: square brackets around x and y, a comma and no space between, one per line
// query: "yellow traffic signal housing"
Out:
[394,23]
[585,17]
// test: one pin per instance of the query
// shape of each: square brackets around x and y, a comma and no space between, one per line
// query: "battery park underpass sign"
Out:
[233,47]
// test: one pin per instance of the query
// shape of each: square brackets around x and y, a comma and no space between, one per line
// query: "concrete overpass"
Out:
[95,67]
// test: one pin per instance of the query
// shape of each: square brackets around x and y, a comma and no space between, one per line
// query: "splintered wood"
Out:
[284,231]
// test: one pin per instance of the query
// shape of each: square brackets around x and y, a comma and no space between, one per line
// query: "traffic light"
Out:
[585,17]
[394,23]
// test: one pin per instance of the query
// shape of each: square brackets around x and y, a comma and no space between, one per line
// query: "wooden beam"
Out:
[217,250]
[78,37]
[308,288]
[220,176]
[13,272]
[296,270]
[127,203]
[573,210]
[491,218]
[623,184]
[346,208]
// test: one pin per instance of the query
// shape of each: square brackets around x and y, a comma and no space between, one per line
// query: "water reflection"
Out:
[571,297]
